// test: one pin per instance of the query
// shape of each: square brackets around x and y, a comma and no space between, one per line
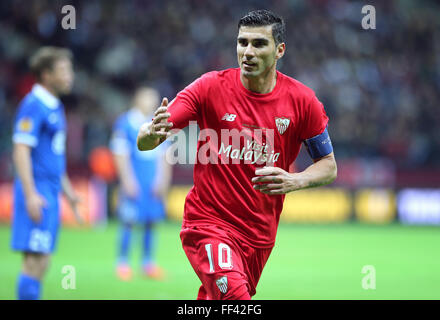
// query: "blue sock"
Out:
[28,288]
[124,243]
[149,237]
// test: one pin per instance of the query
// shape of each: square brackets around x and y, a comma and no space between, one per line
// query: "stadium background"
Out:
[380,88]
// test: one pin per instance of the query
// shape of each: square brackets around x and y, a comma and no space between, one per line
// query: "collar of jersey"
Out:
[136,117]
[48,99]
[262,96]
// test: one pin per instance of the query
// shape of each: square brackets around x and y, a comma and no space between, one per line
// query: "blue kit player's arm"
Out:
[122,149]
[72,197]
[163,176]
[25,137]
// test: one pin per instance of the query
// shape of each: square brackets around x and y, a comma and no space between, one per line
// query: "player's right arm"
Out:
[184,108]
[23,165]
[122,150]
[153,133]
[126,176]
[28,123]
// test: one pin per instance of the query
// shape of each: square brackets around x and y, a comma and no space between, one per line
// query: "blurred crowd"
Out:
[380,88]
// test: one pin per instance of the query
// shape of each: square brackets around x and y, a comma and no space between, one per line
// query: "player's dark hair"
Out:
[45,58]
[265,18]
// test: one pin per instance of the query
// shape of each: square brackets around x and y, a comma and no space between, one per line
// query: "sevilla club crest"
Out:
[222,284]
[282,124]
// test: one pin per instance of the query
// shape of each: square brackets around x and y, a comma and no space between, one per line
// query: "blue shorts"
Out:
[30,236]
[145,209]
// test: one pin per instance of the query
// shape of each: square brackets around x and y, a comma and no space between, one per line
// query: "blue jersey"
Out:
[146,168]
[40,123]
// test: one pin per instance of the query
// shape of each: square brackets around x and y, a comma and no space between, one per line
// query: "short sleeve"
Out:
[28,123]
[315,121]
[187,104]
[119,142]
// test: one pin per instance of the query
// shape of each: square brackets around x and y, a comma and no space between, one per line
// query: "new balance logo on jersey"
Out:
[229,117]
[222,284]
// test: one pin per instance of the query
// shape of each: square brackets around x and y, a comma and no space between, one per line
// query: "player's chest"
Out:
[237,113]
[55,122]
[142,157]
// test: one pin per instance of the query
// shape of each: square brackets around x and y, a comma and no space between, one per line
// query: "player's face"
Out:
[147,100]
[60,78]
[257,52]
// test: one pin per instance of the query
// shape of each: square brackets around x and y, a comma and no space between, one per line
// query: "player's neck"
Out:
[51,90]
[264,84]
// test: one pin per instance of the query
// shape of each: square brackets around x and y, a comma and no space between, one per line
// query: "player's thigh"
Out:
[256,259]
[28,235]
[21,221]
[128,210]
[152,209]
[217,262]
[46,235]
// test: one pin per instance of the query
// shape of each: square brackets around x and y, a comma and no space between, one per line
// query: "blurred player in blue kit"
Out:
[39,143]
[144,180]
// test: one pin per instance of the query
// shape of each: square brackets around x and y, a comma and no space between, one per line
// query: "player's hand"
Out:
[74,202]
[273,180]
[152,133]
[159,126]
[34,205]
[130,189]
[160,190]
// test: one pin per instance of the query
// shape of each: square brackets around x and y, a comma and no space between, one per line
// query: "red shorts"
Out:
[228,268]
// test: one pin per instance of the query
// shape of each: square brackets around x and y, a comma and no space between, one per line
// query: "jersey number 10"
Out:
[224,256]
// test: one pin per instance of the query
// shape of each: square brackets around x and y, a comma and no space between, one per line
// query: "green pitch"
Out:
[308,262]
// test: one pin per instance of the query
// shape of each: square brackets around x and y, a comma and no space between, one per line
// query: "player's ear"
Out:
[45,75]
[281,48]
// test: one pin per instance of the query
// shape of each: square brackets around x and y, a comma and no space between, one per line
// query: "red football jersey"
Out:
[241,131]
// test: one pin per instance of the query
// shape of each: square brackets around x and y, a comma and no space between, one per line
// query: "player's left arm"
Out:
[163,178]
[71,196]
[273,180]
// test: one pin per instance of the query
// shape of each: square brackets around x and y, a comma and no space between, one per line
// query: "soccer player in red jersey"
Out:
[253,120]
